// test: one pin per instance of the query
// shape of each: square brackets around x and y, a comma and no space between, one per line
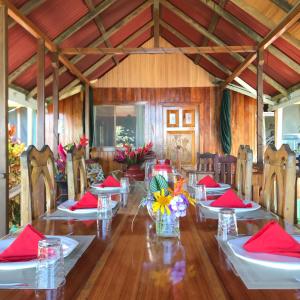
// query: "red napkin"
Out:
[88,200]
[231,200]
[110,181]
[208,182]
[273,239]
[24,247]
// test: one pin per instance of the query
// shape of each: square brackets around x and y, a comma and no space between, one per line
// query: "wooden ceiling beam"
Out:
[219,42]
[211,28]
[100,26]
[287,21]
[283,4]
[251,10]
[38,34]
[250,33]
[26,9]
[63,36]
[99,41]
[106,58]
[161,50]
[156,22]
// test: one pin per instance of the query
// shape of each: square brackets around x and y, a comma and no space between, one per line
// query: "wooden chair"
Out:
[206,165]
[37,172]
[76,173]
[226,169]
[243,179]
[279,183]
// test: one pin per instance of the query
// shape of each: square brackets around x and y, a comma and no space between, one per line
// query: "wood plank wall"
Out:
[208,100]
[70,115]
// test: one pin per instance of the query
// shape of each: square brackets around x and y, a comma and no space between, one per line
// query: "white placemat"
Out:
[260,277]
[26,277]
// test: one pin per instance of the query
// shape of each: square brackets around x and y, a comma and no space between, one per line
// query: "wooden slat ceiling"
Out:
[183,23]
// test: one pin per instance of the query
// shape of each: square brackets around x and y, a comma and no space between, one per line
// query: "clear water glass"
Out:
[200,193]
[125,184]
[50,273]
[104,210]
[227,224]
[192,179]
[104,229]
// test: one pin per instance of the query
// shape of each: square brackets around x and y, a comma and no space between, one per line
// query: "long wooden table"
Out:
[132,264]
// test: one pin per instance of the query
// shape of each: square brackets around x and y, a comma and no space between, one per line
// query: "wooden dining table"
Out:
[130,262]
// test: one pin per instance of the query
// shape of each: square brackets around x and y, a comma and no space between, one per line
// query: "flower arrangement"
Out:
[168,201]
[131,156]
[61,162]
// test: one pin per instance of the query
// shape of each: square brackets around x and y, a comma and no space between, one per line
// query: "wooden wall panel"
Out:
[70,114]
[156,70]
[208,100]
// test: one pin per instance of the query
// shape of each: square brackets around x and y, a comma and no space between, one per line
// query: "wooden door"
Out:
[181,140]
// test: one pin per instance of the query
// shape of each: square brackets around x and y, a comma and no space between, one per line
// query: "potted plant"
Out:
[133,158]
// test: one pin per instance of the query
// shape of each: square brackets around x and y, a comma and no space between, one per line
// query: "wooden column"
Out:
[156,22]
[260,107]
[87,117]
[278,127]
[3,121]
[55,92]
[40,93]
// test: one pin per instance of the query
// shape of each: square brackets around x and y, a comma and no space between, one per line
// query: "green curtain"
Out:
[91,123]
[225,122]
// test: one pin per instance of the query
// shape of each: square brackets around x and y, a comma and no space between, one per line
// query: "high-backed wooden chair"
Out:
[37,172]
[206,162]
[279,183]
[76,173]
[243,178]
[226,169]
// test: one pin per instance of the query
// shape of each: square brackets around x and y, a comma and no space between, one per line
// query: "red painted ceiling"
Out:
[55,16]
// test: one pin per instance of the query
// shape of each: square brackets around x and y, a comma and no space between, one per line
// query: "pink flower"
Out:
[62,152]
[84,141]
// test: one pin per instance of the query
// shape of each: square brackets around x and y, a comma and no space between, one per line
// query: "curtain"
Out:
[225,122]
[140,125]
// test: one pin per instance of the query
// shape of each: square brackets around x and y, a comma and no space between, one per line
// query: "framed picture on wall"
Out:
[188,118]
[172,118]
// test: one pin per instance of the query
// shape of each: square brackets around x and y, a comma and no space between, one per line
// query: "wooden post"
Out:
[55,92]
[156,22]
[4,198]
[40,93]
[260,107]
[87,117]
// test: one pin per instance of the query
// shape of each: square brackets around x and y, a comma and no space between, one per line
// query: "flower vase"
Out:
[135,172]
[167,225]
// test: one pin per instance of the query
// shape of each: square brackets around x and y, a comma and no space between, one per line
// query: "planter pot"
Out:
[135,172]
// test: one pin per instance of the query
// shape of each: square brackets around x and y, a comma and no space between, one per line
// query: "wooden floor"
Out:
[136,265]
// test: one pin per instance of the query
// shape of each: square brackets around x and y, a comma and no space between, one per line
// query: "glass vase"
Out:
[167,225]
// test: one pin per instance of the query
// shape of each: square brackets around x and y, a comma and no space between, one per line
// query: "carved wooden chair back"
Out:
[279,184]
[76,173]
[244,165]
[37,173]
[226,169]
[206,162]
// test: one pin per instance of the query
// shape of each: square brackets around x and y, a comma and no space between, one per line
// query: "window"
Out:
[118,125]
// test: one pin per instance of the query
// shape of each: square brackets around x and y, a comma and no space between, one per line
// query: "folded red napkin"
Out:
[230,200]
[110,181]
[88,200]
[24,247]
[208,182]
[273,239]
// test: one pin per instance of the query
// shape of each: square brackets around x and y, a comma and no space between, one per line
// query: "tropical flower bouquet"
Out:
[61,161]
[166,206]
[132,156]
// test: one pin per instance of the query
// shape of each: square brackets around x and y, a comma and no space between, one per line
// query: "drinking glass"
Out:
[104,229]
[227,225]
[50,273]
[104,207]
[200,193]
[192,179]
[125,184]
